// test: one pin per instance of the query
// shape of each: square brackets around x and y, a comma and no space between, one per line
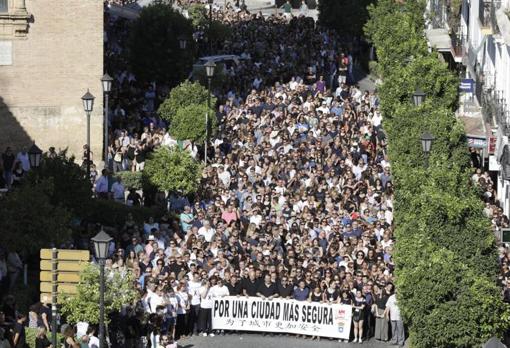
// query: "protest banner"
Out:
[279,315]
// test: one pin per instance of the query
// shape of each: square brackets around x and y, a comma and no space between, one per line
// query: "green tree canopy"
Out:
[173,170]
[154,50]
[29,221]
[185,94]
[71,188]
[189,123]
[84,306]
[344,16]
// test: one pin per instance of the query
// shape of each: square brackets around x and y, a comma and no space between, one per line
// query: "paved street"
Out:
[257,341]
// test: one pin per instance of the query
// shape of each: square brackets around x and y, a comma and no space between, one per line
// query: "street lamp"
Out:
[419,97]
[426,144]
[209,36]
[34,156]
[101,246]
[209,71]
[106,82]
[183,42]
[88,106]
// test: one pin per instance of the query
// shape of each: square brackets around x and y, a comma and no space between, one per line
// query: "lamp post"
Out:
[426,144]
[34,156]
[419,97]
[101,245]
[209,71]
[106,82]
[88,106]
[183,42]
[209,36]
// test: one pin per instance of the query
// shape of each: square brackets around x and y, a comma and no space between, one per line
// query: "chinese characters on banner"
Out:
[285,316]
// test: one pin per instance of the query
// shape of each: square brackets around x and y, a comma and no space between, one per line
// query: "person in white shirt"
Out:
[224,176]
[93,339]
[194,292]
[23,158]
[118,190]
[392,312]
[206,305]
[102,185]
[218,291]
[207,231]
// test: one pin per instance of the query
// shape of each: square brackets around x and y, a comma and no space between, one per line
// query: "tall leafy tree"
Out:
[345,16]
[154,50]
[29,220]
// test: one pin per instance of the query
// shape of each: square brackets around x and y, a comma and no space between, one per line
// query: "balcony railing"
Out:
[487,14]
[494,108]
[458,44]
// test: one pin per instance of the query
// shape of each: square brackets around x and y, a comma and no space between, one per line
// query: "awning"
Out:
[470,114]
[439,39]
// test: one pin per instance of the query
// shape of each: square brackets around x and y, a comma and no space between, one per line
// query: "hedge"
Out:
[113,214]
[445,256]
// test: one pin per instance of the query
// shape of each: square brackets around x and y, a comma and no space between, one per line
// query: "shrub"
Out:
[173,170]
[190,123]
[185,94]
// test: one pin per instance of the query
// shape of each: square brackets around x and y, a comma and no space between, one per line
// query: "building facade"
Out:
[51,52]
[477,36]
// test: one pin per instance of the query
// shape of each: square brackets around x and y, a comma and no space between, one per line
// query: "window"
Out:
[3,5]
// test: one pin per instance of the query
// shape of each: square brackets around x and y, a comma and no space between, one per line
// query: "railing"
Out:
[487,13]
[494,109]
[458,44]
[438,14]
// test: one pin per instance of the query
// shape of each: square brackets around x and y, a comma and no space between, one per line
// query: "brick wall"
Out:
[40,93]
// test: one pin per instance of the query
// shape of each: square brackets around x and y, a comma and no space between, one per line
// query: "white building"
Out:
[477,36]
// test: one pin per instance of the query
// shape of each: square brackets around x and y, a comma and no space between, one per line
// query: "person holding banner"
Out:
[218,291]
[358,315]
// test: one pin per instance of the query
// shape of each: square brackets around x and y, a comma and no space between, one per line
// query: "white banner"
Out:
[279,315]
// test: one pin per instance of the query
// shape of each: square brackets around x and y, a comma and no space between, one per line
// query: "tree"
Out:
[185,94]
[189,123]
[29,221]
[173,170]
[119,291]
[70,187]
[344,16]
[154,51]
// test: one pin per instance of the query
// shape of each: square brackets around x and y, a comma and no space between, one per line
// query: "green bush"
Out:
[185,94]
[445,255]
[173,170]
[190,123]
[131,180]
[111,213]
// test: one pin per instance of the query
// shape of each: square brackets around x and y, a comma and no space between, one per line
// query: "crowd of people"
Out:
[296,201]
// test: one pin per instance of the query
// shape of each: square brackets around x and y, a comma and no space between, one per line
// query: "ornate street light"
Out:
[88,106]
[101,246]
[209,71]
[106,82]
[34,156]
[419,97]
[426,144]
[183,42]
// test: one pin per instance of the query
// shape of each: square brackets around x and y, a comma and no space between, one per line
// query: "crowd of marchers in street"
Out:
[296,201]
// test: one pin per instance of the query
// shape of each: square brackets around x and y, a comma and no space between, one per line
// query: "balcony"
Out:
[494,107]
[487,16]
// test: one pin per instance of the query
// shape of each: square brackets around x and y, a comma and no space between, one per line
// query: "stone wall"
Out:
[52,67]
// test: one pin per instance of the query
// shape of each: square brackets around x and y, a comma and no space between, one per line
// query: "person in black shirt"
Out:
[267,289]
[20,338]
[235,287]
[41,340]
[250,285]
[285,289]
